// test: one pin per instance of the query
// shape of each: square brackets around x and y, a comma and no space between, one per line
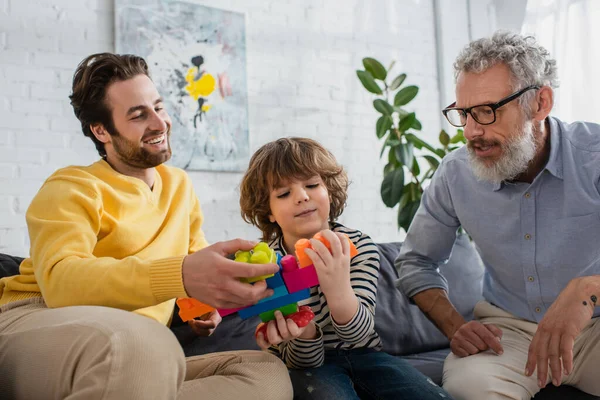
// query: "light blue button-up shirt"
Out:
[533,238]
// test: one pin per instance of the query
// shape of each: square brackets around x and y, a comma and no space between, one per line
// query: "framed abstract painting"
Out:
[197,59]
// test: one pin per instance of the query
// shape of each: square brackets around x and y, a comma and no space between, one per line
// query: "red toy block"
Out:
[302,318]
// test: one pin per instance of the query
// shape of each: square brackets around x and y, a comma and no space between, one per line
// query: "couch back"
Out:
[403,328]
[401,325]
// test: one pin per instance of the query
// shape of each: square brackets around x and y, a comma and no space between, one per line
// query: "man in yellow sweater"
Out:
[112,245]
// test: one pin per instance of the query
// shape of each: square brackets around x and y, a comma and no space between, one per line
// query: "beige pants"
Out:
[490,376]
[103,353]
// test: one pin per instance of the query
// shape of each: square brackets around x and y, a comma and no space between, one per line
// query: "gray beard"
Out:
[516,156]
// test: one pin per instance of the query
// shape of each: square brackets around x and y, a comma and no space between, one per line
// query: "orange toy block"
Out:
[191,308]
[303,244]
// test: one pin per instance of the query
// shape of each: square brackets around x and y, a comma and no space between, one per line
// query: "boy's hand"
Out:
[206,324]
[333,268]
[213,279]
[281,330]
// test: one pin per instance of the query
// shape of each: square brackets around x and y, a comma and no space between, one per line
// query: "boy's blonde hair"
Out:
[277,162]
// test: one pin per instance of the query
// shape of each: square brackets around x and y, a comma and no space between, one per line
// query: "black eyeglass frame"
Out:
[493,106]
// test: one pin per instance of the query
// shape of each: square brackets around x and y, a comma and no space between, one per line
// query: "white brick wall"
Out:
[302,55]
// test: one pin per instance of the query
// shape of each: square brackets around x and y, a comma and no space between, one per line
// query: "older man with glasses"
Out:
[526,188]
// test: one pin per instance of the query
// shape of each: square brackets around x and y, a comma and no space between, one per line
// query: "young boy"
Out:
[293,189]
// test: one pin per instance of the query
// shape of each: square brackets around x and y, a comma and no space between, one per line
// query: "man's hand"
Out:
[206,324]
[474,337]
[557,331]
[211,278]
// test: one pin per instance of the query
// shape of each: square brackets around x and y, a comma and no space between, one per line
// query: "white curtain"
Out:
[570,31]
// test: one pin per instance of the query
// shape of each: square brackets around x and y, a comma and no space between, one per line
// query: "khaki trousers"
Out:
[489,376]
[103,353]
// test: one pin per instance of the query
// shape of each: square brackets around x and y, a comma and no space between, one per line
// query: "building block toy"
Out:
[285,310]
[190,308]
[261,254]
[291,284]
[273,304]
[301,318]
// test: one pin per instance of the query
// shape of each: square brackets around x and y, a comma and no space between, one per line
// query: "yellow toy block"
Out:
[260,254]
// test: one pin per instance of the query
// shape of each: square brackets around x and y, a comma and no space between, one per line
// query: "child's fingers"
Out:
[321,250]
[282,326]
[344,243]
[316,259]
[262,343]
[334,242]
[273,333]
[293,328]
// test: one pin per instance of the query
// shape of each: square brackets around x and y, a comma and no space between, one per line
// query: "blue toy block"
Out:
[277,292]
[275,281]
[272,304]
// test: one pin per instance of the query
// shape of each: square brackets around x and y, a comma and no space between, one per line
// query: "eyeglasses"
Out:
[484,114]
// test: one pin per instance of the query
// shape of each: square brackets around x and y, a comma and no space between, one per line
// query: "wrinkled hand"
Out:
[282,330]
[206,324]
[553,342]
[213,279]
[474,337]
[333,268]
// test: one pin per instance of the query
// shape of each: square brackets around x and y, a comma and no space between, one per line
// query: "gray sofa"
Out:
[404,330]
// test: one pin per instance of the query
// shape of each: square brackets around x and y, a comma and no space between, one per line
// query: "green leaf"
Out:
[397,81]
[368,82]
[416,169]
[405,95]
[383,107]
[419,144]
[391,187]
[384,123]
[459,137]
[391,65]
[440,152]
[392,157]
[407,213]
[434,162]
[416,125]
[444,138]
[390,141]
[401,112]
[389,167]
[375,68]
[406,122]
[404,153]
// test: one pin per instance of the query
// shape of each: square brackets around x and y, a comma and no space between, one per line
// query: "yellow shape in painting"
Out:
[206,107]
[201,87]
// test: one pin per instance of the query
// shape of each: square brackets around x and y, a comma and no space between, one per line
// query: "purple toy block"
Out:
[297,278]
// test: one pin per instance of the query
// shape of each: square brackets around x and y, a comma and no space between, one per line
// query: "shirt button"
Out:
[530,278]
[537,310]
[527,195]
[527,236]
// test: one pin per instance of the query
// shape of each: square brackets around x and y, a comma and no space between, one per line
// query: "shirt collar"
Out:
[554,164]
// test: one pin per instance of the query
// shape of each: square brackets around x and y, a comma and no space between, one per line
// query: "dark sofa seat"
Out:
[404,330]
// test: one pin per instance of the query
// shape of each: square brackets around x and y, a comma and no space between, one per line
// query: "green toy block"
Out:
[285,310]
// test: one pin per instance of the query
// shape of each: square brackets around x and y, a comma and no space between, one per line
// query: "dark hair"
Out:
[91,80]
[283,159]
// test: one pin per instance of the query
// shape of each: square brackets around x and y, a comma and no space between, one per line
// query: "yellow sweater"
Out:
[102,238]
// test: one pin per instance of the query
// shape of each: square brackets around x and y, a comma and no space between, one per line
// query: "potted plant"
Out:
[404,177]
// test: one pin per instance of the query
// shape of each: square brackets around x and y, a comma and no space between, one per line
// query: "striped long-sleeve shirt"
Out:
[359,332]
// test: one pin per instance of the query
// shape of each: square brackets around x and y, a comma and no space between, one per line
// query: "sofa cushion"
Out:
[9,265]
[403,328]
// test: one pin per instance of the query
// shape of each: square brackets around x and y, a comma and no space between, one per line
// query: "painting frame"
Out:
[197,56]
